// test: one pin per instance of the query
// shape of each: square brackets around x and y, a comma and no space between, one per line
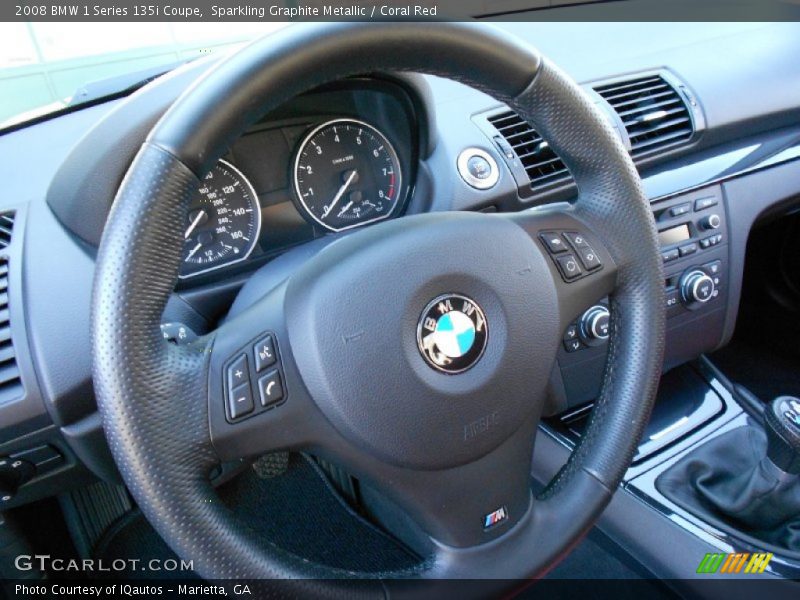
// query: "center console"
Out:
[702,422]
[694,238]
[693,233]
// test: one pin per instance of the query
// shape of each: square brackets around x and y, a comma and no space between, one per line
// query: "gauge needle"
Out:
[194,250]
[339,194]
[194,224]
[345,208]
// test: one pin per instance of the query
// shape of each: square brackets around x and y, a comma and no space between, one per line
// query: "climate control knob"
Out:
[697,288]
[595,324]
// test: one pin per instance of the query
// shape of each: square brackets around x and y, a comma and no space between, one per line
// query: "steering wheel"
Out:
[371,381]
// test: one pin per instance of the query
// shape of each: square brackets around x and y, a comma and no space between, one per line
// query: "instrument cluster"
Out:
[291,180]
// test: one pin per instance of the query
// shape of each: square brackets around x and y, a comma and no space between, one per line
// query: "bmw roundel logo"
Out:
[452,333]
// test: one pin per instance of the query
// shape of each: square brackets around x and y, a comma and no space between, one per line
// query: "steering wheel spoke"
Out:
[583,270]
[457,507]
[529,543]
[257,401]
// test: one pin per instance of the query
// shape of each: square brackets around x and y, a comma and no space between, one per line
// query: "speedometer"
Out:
[223,223]
[346,174]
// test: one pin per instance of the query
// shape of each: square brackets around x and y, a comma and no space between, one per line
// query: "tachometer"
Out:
[223,223]
[346,174]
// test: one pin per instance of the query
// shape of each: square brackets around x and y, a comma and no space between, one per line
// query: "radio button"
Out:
[576,239]
[681,209]
[703,203]
[568,265]
[589,258]
[670,255]
[710,222]
[688,249]
[553,241]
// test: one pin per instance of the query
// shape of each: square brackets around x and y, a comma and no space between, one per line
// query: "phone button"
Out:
[270,388]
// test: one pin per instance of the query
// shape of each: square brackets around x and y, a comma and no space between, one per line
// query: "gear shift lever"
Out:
[782,420]
[746,480]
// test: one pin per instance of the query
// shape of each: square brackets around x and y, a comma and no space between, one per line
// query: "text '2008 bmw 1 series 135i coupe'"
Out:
[400,307]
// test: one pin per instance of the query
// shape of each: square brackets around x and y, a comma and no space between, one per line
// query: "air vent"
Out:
[10,383]
[543,166]
[6,228]
[653,112]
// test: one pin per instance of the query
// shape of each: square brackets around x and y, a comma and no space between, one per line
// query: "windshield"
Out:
[45,67]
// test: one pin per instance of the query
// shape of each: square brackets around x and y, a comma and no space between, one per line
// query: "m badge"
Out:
[495,517]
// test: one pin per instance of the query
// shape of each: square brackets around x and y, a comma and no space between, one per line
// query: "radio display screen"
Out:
[674,235]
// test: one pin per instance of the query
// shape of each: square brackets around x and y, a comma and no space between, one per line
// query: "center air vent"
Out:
[6,228]
[653,112]
[543,166]
[10,384]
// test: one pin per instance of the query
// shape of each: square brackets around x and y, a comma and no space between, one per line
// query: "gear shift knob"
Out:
[782,419]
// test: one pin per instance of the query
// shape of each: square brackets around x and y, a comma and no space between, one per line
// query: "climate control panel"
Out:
[694,288]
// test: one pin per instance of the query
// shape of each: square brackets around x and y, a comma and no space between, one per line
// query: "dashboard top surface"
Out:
[751,62]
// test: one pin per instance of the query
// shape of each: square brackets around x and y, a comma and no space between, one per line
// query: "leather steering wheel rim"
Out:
[157,425]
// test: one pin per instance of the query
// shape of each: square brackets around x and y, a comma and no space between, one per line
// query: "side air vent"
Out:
[10,383]
[6,228]
[543,166]
[653,112]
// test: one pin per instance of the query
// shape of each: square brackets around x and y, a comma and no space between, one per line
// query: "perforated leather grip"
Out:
[613,202]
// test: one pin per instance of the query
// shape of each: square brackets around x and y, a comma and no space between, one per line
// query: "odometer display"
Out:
[346,174]
[223,223]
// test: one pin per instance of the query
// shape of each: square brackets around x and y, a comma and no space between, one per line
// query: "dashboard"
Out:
[379,147]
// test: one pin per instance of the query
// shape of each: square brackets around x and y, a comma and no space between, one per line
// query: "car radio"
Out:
[692,232]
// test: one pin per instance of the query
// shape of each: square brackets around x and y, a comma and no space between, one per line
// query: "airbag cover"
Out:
[353,312]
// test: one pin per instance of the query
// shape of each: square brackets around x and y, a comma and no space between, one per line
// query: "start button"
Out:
[478,168]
